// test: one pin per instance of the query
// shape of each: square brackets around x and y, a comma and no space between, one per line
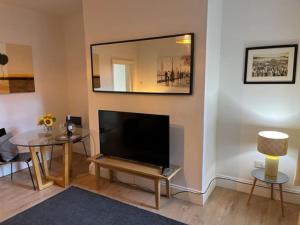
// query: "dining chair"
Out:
[9,154]
[77,121]
[2,132]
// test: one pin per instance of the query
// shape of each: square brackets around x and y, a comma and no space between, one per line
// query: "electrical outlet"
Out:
[259,164]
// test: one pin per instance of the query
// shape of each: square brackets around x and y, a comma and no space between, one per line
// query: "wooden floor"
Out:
[224,207]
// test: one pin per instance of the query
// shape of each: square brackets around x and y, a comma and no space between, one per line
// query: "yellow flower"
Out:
[49,115]
[48,122]
[41,121]
[47,119]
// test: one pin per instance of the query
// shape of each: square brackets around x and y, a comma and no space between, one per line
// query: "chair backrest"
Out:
[2,132]
[76,120]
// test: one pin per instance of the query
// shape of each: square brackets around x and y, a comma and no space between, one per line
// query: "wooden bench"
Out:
[138,169]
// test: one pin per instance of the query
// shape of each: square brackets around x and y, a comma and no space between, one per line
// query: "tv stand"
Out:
[137,169]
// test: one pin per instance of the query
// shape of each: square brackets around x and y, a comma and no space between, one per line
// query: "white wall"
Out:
[59,69]
[212,76]
[246,109]
[121,20]
[76,69]
[19,112]
[76,66]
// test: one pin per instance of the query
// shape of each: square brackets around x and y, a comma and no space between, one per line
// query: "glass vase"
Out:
[48,131]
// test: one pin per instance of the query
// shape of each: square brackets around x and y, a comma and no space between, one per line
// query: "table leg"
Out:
[64,179]
[168,189]
[37,172]
[157,193]
[70,159]
[252,189]
[281,199]
[67,164]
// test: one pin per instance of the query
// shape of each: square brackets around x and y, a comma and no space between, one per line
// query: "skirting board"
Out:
[209,189]
[190,194]
[5,168]
[262,189]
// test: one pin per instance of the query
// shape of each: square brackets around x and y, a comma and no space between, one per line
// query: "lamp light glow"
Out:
[273,134]
[272,157]
[186,39]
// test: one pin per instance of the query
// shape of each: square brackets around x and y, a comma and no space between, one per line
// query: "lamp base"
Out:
[271,167]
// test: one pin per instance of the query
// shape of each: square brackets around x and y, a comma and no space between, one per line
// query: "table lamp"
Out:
[272,144]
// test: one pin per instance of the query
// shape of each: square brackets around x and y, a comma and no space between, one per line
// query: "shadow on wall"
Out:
[177,151]
[238,126]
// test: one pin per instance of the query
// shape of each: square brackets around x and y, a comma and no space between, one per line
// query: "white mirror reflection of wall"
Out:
[161,65]
[120,83]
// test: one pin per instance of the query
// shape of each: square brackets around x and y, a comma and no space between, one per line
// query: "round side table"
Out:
[259,174]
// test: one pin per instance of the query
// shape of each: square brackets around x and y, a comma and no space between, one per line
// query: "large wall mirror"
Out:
[157,65]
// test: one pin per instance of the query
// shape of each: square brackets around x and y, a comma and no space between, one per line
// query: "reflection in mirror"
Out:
[154,65]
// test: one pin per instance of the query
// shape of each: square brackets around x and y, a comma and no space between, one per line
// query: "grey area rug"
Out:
[76,206]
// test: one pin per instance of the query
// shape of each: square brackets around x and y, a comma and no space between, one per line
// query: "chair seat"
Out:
[22,157]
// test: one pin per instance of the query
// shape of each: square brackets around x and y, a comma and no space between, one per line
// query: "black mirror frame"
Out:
[144,39]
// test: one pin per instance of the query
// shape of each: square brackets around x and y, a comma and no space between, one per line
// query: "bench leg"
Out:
[157,193]
[111,176]
[168,189]
[97,173]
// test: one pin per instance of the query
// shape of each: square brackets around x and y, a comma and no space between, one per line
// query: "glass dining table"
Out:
[38,141]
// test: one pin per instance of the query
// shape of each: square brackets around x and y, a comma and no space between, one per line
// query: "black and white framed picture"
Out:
[271,64]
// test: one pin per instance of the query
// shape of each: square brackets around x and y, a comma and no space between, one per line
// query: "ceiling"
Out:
[58,7]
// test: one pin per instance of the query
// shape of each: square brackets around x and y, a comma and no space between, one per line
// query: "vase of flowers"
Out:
[47,121]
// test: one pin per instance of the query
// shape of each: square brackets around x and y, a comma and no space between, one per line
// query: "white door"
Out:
[120,80]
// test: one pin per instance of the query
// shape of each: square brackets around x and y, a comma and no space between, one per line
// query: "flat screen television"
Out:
[135,136]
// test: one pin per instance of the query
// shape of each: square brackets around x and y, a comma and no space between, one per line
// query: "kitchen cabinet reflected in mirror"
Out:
[154,65]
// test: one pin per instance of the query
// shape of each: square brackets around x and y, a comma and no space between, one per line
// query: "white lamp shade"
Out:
[272,143]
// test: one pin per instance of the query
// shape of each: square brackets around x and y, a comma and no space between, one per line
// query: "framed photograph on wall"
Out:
[271,64]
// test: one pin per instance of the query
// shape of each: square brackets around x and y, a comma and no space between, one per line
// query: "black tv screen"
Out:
[135,136]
